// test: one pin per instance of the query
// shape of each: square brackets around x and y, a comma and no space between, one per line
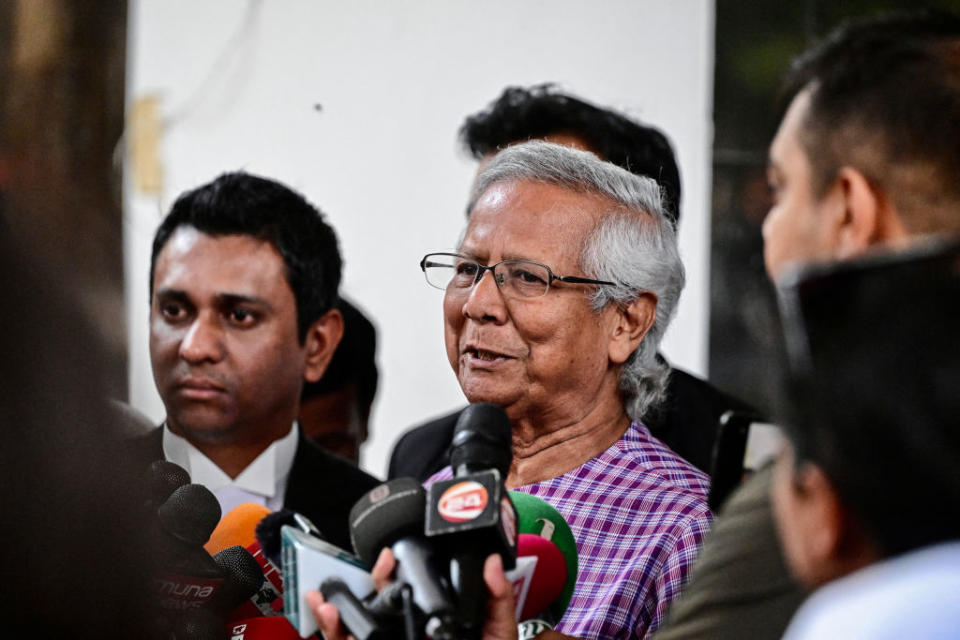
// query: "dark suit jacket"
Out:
[686,421]
[322,486]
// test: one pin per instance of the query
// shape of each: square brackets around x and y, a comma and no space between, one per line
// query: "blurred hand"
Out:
[327,616]
[501,623]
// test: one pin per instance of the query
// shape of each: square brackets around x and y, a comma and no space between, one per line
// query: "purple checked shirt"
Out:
[638,512]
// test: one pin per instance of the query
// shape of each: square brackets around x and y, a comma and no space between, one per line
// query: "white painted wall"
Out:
[238,82]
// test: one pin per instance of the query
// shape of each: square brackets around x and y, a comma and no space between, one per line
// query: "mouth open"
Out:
[481,357]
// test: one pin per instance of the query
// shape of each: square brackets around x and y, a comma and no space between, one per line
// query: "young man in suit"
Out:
[243,281]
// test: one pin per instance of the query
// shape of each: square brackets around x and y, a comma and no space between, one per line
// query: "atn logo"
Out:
[463,502]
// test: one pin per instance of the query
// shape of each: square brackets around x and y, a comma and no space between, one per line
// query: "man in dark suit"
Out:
[243,281]
[686,419]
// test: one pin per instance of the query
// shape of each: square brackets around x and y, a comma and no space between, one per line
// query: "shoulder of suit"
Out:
[689,386]
[314,456]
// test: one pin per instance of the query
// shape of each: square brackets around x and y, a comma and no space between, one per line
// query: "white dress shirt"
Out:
[263,482]
[915,595]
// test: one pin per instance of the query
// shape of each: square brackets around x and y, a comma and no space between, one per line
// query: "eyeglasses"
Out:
[452,272]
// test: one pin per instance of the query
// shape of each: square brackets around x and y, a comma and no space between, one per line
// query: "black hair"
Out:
[522,114]
[885,95]
[354,361]
[241,204]
[874,379]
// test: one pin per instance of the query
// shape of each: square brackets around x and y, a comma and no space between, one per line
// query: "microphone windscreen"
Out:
[549,575]
[242,580]
[163,478]
[190,514]
[386,513]
[536,516]
[237,527]
[268,533]
[482,439]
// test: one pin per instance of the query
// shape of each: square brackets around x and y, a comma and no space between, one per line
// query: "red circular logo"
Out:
[462,502]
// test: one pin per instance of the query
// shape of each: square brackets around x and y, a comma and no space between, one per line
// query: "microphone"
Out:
[361,620]
[187,577]
[189,515]
[392,515]
[290,541]
[163,478]
[238,528]
[269,536]
[201,589]
[262,628]
[471,514]
[307,563]
[547,564]
[243,578]
[539,577]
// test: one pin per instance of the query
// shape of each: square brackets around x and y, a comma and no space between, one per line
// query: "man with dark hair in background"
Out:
[687,419]
[543,113]
[243,281]
[335,410]
[866,157]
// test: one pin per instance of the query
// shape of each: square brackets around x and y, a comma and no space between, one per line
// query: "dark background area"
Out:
[755,41]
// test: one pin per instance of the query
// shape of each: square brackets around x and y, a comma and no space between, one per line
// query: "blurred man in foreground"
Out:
[866,158]
[865,497]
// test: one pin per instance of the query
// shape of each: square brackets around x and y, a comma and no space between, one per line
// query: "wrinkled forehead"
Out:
[517,219]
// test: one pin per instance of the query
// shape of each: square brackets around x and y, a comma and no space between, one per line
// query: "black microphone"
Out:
[243,578]
[354,614]
[163,478]
[189,515]
[268,532]
[392,515]
[472,515]
[186,575]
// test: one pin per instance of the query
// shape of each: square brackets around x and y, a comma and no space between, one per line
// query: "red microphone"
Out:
[262,628]
[548,578]
[238,527]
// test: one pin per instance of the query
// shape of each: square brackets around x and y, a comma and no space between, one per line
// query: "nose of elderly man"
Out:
[485,301]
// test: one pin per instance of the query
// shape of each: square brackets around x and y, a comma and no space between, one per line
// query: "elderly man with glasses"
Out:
[554,304]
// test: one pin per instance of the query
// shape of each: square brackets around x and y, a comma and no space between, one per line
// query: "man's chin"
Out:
[208,427]
[482,391]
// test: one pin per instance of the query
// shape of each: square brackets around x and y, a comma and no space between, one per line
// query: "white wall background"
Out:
[238,83]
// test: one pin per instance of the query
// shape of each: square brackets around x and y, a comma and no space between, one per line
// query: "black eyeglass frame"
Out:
[481,269]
